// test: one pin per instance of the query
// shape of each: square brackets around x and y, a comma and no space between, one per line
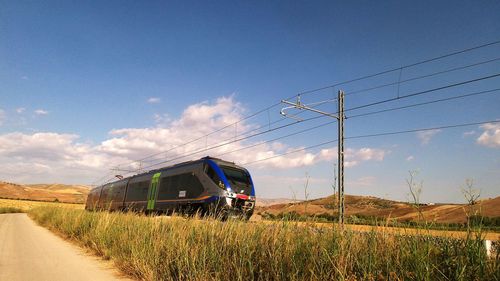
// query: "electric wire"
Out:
[400,68]
[320,116]
[421,77]
[351,81]
[425,91]
[361,115]
[372,135]
[327,87]
[355,116]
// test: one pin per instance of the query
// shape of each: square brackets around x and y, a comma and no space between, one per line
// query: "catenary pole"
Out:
[341,116]
[340,157]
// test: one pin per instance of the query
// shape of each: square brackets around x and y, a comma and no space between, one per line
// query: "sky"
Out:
[92,89]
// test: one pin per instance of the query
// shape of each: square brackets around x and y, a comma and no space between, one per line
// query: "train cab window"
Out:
[213,175]
[236,176]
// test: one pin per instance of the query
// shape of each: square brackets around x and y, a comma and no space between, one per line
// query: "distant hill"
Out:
[263,202]
[45,192]
[369,206]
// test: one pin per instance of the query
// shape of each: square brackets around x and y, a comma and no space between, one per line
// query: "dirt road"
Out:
[31,252]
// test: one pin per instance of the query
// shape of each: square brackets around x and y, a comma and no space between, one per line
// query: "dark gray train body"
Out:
[208,186]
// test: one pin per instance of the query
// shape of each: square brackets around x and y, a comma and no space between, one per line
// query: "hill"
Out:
[368,206]
[264,202]
[45,192]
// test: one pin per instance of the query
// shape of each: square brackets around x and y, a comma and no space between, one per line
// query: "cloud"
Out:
[154,100]
[410,158]
[426,136]
[161,119]
[62,156]
[20,110]
[353,157]
[24,77]
[491,135]
[50,157]
[41,112]
[283,181]
[469,133]
[362,182]
[2,116]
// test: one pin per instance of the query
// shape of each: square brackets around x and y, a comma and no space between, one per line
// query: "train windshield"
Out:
[236,176]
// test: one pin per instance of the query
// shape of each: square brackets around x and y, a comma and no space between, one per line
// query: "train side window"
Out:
[104,194]
[118,191]
[138,191]
[168,188]
[191,184]
[171,187]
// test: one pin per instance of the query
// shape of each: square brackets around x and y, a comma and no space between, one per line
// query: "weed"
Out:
[175,248]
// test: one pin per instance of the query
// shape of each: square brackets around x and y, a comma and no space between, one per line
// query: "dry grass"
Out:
[8,210]
[26,205]
[161,248]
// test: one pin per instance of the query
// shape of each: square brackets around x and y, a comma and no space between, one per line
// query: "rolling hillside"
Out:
[381,208]
[44,192]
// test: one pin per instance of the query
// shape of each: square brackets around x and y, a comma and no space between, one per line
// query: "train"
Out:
[208,186]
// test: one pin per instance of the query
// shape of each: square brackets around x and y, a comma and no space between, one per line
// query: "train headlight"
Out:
[229,193]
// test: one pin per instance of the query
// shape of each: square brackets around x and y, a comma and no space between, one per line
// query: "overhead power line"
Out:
[361,115]
[373,135]
[425,103]
[421,77]
[400,68]
[317,117]
[425,91]
[327,87]
[351,117]
[190,153]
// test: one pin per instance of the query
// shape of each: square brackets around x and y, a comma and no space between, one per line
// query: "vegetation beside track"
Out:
[8,210]
[175,248]
[491,224]
[26,205]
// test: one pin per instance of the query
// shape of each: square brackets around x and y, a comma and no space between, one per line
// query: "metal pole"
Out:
[299,105]
[341,157]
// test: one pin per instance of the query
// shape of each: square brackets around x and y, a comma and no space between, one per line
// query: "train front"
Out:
[235,182]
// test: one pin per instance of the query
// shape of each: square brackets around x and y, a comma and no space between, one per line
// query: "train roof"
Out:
[217,160]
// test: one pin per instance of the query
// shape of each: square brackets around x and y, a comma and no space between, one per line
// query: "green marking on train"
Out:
[152,191]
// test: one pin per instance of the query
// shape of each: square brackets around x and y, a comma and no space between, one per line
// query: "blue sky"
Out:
[85,86]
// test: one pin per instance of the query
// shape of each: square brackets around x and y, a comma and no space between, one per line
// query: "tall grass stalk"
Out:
[175,248]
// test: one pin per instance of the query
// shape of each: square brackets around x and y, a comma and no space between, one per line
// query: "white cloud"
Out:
[41,112]
[286,181]
[410,158]
[426,136]
[469,133]
[154,100]
[491,135]
[162,119]
[362,182]
[50,157]
[58,156]
[20,110]
[24,77]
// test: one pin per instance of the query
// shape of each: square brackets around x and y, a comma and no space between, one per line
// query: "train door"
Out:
[153,190]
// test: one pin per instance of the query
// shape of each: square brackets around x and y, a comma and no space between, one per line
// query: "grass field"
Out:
[26,205]
[175,248]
